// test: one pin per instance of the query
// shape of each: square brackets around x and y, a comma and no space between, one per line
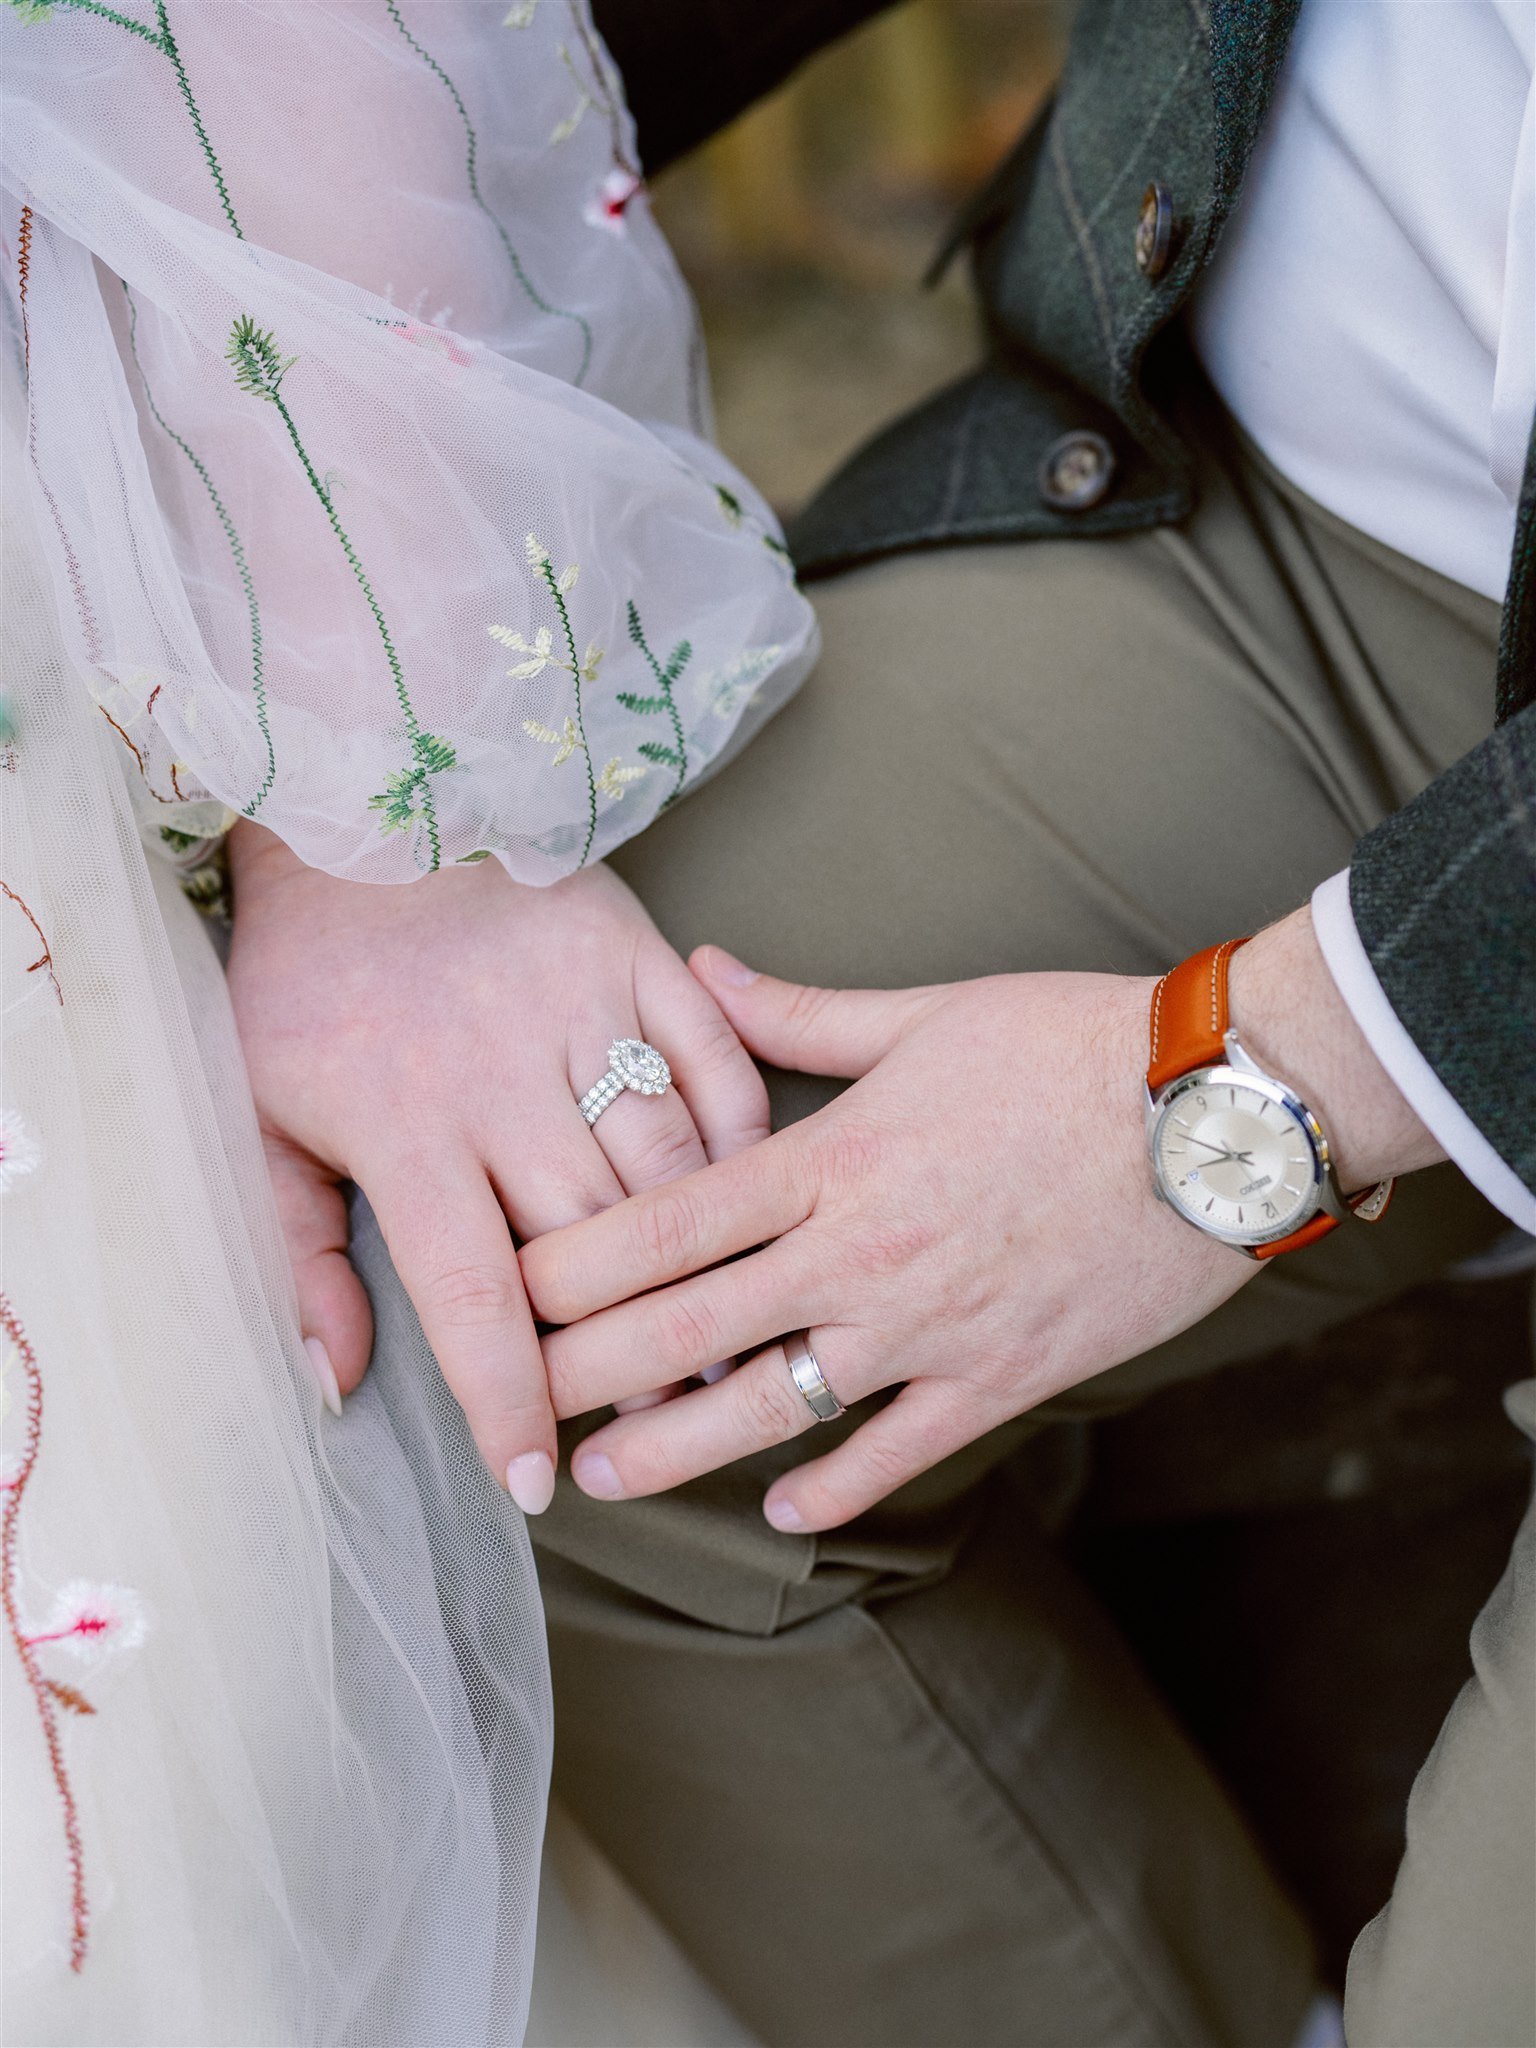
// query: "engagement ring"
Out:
[631,1064]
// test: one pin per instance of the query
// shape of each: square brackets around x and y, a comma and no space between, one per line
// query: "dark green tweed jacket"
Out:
[1081,338]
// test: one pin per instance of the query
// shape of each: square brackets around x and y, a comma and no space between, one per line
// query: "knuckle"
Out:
[805,1006]
[667,1225]
[670,1152]
[850,1153]
[471,1297]
[891,1245]
[774,1409]
[884,1464]
[687,1331]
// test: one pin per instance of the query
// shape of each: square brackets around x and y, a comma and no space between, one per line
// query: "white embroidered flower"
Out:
[19,1150]
[606,208]
[565,743]
[614,779]
[540,650]
[92,1621]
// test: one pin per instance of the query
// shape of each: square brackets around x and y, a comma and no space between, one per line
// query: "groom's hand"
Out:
[972,1222]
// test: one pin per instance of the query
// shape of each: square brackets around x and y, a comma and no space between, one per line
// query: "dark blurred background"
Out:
[1296,1549]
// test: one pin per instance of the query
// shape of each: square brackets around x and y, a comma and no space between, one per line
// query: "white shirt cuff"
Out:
[1416,1080]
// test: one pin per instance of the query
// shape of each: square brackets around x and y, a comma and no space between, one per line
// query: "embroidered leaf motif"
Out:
[67,1696]
[259,365]
[735,683]
[405,797]
[675,756]
[615,779]
[31,10]
[565,743]
[730,505]
[467,860]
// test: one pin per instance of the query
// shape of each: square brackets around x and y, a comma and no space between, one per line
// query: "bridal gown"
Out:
[356,480]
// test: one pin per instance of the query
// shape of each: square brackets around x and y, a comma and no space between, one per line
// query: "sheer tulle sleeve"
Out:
[367,420]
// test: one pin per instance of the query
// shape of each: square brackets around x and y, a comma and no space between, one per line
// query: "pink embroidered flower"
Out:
[607,206]
[92,1621]
[437,341]
[19,1152]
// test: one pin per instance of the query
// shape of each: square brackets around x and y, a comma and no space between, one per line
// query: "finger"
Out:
[334,1316]
[673,1334]
[542,1162]
[646,1139]
[757,1407]
[835,1031]
[672,1231]
[453,1251]
[928,1420]
[715,1074]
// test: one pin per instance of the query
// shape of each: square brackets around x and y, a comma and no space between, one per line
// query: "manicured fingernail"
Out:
[784,1515]
[596,1475]
[711,1373]
[726,967]
[531,1481]
[320,1365]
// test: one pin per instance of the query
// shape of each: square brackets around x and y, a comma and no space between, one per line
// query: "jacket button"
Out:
[1076,471]
[1154,231]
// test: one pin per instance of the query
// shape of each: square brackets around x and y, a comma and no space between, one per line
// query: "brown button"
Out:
[1154,231]
[1076,471]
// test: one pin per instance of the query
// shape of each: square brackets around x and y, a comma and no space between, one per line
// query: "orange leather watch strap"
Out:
[1190,1015]
[1322,1222]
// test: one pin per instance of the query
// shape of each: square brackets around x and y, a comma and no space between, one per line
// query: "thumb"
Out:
[839,1032]
[333,1308]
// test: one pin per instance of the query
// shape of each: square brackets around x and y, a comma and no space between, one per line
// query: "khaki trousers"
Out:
[901,1786]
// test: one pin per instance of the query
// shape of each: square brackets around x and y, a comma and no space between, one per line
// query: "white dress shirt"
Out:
[1370,321]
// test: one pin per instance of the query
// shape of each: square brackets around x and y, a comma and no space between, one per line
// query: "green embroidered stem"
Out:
[547,571]
[664,757]
[242,567]
[168,44]
[471,166]
[259,369]
[165,42]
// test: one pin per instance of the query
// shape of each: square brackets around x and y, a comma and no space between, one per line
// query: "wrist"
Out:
[1291,1019]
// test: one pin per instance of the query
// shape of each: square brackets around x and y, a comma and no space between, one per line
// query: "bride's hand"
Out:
[430,1043]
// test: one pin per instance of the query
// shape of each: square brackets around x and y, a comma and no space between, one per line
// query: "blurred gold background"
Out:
[806,227]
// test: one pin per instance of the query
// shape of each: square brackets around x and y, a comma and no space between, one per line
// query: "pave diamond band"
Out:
[631,1064]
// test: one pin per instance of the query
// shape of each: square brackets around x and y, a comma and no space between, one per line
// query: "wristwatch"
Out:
[1234,1151]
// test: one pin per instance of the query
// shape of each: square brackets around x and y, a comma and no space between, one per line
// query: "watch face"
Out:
[1233,1152]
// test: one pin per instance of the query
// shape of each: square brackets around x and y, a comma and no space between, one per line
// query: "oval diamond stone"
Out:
[640,1066]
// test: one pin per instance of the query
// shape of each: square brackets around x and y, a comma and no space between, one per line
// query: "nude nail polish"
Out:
[785,1516]
[320,1365]
[531,1481]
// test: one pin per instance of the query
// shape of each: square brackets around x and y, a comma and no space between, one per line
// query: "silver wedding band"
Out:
[809,1379]
[632,1064]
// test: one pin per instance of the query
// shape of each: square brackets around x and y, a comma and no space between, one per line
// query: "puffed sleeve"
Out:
[366,419]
